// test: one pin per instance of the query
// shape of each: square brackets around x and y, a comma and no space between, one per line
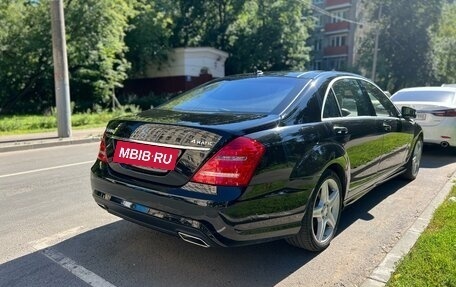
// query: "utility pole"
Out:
[374,64]
[61,80]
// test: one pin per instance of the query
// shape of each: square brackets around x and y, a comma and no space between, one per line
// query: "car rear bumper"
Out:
[160,221]
[445,132]
[194,220]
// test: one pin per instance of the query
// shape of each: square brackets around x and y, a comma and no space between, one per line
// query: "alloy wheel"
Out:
[416,159]
[326,211]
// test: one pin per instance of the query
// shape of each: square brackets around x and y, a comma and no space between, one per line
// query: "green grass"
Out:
[432,261]
[11,125]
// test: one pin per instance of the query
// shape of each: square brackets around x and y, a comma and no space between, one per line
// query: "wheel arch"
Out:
[342,175]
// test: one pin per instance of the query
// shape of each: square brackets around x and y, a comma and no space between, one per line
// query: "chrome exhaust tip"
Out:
[444,144]
[193,239]
[102,206]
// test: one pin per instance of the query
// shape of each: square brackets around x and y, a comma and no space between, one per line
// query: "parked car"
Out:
[436,112]
[252,158]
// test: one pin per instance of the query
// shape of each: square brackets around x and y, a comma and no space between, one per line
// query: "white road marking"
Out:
[56,238]
[43,245]
[79,271]
[46,168]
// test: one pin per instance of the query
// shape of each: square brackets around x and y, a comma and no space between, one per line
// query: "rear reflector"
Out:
[233,165]
[445,113]
[102,152]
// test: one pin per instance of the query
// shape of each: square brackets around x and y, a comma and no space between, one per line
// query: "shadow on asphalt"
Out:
[126,254]
[435,156]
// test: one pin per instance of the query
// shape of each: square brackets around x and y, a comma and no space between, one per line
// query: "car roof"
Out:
[297,74]
[442,89]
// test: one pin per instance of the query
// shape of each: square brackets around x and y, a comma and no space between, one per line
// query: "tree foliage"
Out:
[257,34]
[148,40]
[96,48]
[25,54]
[109,39]
[444,45]
[404,54]
[269,35]
[95,32]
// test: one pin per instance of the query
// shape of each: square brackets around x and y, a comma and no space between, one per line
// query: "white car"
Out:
[435,112]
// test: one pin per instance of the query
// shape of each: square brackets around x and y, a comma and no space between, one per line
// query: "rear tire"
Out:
[413,164]
[319,225]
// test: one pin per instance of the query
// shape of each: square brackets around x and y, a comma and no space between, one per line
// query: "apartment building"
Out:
[337,34]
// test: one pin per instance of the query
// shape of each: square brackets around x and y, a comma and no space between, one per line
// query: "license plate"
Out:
[420,116]
[145,155]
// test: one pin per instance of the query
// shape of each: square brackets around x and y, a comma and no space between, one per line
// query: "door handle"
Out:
[387,127]
[340,130]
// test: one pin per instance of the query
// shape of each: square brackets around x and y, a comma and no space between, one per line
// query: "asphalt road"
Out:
[53,234]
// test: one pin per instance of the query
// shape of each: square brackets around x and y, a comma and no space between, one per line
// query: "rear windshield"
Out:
[425,96]
[249,95]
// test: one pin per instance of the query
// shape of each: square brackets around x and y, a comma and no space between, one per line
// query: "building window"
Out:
[318,20]
[339,15]
[337,41]
[337,64]
[317,65]
[317,44]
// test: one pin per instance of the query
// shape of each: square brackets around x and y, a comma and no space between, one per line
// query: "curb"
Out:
[382,273]
[22,145]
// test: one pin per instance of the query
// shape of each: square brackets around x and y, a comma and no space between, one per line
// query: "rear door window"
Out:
[382,105]
[352,101]
[331,108]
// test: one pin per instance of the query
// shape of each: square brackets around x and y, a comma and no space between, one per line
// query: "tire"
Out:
[413,164]
[319,225]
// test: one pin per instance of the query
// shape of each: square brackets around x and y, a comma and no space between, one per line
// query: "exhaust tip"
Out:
[444,144]
[103,206]
[193,239]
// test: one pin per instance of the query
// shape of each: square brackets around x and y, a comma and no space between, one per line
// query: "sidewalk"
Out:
[48,139]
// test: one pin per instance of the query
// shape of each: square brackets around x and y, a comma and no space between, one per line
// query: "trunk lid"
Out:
[192,137]
[424,111]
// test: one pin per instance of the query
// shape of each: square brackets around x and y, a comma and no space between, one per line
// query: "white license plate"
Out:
[420,116]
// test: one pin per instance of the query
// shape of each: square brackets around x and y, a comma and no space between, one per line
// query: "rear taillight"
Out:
[233,165]
[445,113]
[102,152]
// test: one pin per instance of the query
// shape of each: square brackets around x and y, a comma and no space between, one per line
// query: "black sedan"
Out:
[253,158]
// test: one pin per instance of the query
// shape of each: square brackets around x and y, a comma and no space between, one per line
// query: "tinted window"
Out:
[259,95]
[351,99]
[331,109]
[425,96]
[382,105]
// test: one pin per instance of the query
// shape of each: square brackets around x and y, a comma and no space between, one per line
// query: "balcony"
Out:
[333,51]
[337,3]
[333,27]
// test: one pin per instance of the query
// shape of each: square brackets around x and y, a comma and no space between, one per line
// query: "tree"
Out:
[269,35]
[25,55]
[96,47]
[96,52]
[404,42]
[444,45]
[149,38]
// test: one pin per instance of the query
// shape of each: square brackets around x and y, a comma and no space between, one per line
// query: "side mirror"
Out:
[408,112]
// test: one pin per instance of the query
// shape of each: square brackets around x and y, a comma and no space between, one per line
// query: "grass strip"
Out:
[11,125]
[432,261]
